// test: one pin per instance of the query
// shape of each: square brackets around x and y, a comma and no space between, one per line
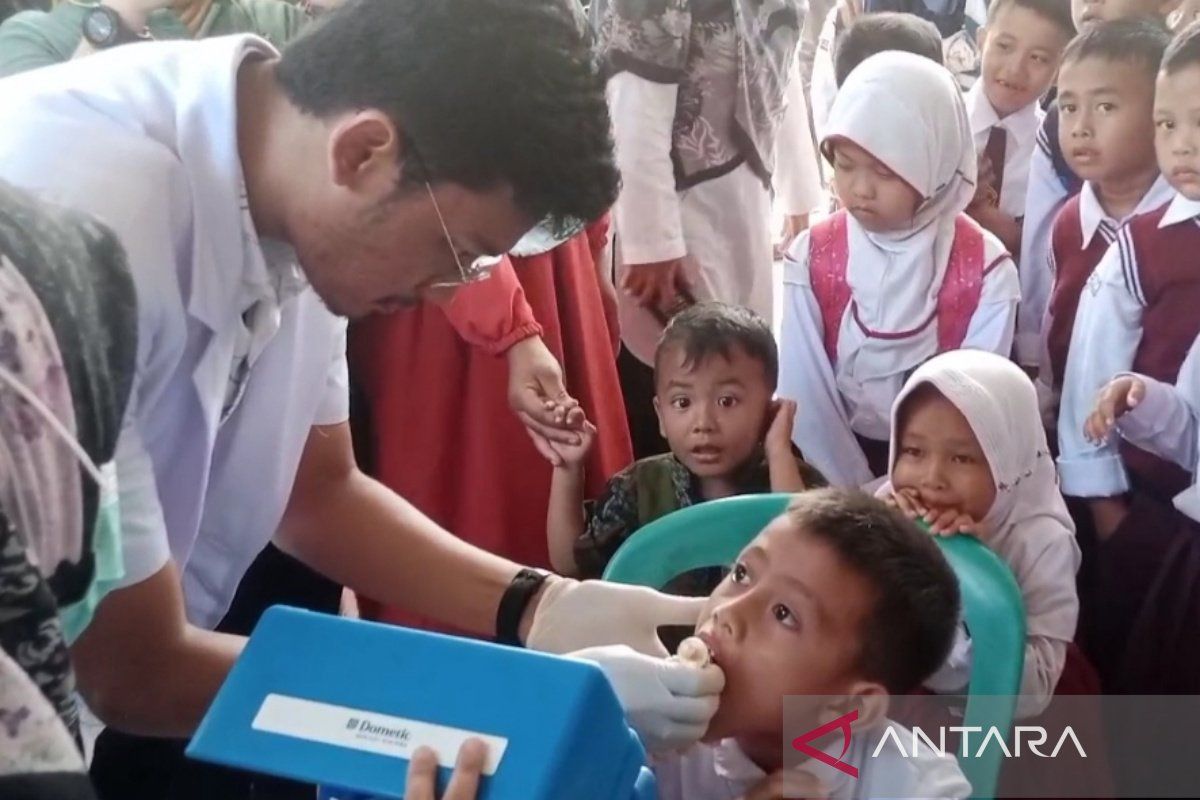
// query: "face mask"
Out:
[106,531]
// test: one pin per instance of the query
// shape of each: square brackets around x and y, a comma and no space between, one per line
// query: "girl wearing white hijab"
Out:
[969,455]
[897,276]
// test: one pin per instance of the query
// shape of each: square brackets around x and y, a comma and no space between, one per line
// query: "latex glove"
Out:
[668,703]
[572,615]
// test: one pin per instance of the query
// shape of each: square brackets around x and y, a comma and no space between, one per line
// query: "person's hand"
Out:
[789,783]
[135,13]
[778,441]
[793,226]
[907,502]
[951,522]
[573,615]
[659,286]
[538,396]
[464,783]
[668,702]
[572,455]
[1115,400]
[1108,513]
[985,195]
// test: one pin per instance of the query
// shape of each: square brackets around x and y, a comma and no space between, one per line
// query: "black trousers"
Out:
[637,386]
[127,767]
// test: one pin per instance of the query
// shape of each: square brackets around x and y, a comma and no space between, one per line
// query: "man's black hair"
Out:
[488,92]
[1184,51]
[1056,12]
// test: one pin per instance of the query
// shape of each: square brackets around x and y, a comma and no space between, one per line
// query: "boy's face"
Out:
[788,620]
[714,413]
[1087,13]
[1106,118]
[939,458]
[1177,129]
[1021,51]
[878,198]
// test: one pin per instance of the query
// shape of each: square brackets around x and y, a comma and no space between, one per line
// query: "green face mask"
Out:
[110,562]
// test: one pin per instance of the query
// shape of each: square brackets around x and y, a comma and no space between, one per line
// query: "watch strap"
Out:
[513,603]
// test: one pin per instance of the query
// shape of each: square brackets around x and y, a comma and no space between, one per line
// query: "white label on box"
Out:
[369,731]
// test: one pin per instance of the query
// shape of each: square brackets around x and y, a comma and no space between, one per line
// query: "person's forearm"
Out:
[361,534]
[135,19]
[565,518]
[142,668]
[785,473]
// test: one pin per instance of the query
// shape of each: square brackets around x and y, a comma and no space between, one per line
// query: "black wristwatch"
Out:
[104,28]
[524,586]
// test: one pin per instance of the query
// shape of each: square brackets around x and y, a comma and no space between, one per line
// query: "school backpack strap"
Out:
[828,252]
[962,287]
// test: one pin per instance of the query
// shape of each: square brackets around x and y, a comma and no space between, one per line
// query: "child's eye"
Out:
[1165,124]
[961,459]
[739,574]
[680,403]
[728,401]
[1106,108]
[784,615]
[1041,59]
[1066,108]
[911,452]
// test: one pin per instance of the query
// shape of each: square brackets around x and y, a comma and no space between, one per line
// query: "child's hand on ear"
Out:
[1115,400]
[779,434]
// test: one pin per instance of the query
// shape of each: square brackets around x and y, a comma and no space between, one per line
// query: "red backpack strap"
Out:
[962,286]
[827,255]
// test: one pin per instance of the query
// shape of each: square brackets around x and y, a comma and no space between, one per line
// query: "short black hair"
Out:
[1184,50]
[708,329]
[1056,12]
[486,92]
[1131,40]
[910,630]
[882,31]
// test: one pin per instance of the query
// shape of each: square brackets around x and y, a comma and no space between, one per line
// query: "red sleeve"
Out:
[597,234]
[493,315]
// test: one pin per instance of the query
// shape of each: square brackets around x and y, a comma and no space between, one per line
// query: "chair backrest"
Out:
[712,534]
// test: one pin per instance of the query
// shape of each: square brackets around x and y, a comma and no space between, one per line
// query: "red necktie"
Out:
[997,143]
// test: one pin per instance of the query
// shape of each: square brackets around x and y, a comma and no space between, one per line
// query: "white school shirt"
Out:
[237,358]
[1166,423]
[1021,141]
[1093,221]
[1044,198]
[722,226]
[1106,337]
[828,419]
[723,772]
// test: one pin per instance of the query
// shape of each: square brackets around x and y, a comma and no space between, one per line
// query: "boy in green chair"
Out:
[845,603]
[715,376]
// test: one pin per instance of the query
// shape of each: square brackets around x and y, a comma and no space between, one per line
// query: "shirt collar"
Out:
[1181,210]
[207,146]
[730,763]
[1092,217]
[1022,125]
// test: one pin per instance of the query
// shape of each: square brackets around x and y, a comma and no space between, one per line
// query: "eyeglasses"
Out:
[478,270]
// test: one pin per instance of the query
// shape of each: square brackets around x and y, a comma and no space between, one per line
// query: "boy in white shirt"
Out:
[840,597]
[1023,43]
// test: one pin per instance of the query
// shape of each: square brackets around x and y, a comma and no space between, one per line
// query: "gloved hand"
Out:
[574,614]
[668,703]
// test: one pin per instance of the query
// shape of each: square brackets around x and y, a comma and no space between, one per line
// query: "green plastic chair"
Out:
[714,533]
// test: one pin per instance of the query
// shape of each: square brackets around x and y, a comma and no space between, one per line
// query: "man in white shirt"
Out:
[260,198]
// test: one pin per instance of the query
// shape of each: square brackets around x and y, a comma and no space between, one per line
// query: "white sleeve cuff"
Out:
[1099,475]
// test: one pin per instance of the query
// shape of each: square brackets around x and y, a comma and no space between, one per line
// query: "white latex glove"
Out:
[573,615]
[668,703]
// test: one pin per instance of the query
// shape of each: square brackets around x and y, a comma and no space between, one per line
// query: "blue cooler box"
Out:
[344,703]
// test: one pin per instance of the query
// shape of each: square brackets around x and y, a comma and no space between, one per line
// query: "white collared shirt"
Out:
[723,772]
[1022,128]
[1106,337]
[237,360]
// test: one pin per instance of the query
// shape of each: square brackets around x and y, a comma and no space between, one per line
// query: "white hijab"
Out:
[1029,523]
[908,113]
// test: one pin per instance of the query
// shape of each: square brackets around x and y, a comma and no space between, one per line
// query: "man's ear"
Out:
[364,147]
